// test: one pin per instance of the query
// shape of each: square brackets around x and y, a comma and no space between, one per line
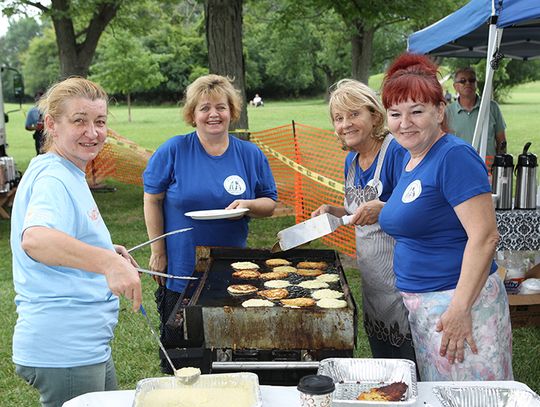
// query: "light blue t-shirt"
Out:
[194,180]
[66,316]
[420,216]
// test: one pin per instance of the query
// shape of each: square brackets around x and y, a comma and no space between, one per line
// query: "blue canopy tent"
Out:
[484,28]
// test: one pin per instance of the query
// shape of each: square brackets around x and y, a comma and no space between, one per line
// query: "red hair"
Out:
[413,77]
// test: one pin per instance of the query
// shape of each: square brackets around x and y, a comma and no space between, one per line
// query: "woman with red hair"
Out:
[442,218]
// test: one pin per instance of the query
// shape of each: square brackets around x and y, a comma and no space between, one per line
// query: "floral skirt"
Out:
[491,332]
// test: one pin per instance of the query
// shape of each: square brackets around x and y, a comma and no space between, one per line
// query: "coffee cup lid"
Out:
[316,384]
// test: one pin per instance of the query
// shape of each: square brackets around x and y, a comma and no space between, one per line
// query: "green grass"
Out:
[134,349]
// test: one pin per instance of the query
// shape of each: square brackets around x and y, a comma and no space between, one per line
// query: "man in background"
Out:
[34,122]
[463,113]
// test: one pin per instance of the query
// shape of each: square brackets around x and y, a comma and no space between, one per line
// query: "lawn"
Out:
[134,349]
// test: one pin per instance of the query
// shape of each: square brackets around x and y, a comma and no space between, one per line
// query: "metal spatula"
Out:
[310,229]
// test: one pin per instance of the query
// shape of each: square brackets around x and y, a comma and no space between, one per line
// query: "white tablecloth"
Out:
[279,396]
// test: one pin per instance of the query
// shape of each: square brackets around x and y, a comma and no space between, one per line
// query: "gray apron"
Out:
[385,316]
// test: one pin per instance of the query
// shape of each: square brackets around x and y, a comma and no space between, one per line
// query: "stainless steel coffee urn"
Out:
[501,180]
[526,180]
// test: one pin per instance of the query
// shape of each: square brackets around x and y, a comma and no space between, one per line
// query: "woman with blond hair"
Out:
[206,169]
[66,271]
[372,169]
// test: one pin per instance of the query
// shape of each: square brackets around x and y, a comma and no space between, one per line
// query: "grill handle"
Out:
[263,365]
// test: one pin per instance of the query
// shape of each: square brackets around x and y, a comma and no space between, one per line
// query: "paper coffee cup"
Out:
[316,391]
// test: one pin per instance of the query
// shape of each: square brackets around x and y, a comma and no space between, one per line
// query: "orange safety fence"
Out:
[307,163]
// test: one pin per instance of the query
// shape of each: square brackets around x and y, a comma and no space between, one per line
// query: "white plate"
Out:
[217,213]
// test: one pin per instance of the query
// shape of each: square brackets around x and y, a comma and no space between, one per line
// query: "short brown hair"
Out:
[213,86]
[54,101]
[466,69]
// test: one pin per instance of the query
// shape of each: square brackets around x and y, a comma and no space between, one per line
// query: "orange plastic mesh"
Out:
[317,150]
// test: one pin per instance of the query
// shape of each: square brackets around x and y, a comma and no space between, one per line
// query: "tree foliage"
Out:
[125,66]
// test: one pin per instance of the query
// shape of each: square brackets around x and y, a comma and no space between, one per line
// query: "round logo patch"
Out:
[234,185]
[412,192]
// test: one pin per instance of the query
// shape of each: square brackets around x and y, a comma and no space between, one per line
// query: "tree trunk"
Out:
[129,106]
[76,57]
[362,51]
[225,50]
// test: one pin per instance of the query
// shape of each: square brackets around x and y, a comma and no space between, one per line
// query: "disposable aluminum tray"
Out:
[211,381]
[354,376]
[473,396]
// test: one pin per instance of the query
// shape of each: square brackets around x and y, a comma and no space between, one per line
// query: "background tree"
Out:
[124,66]
[224,40]
[78,25]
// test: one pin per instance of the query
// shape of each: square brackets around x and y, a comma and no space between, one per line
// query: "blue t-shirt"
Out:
[194,180]
[66,316]
[390,172]
[420,216]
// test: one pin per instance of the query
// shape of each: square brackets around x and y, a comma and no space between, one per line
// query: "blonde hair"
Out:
[348,95]
[54,101]
[212,86]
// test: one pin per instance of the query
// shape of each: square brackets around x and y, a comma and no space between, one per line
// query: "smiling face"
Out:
[415,125]
[79,133]
[212,116]
[354,128]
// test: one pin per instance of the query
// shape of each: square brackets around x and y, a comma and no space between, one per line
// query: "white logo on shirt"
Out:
[378,186]
[234,185]
[412,192]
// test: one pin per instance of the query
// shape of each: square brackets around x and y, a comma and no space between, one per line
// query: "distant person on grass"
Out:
[34,122]
[205,169]
[67,272]
[257,101]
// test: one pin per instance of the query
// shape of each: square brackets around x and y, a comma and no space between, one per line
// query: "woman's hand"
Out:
[158,262]
[456,328]
[122,251]
[332,210]
[367,213]
[123,279]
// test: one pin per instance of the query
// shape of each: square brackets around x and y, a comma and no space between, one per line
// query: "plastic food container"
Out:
[242,389]
[354,376]
[473,396]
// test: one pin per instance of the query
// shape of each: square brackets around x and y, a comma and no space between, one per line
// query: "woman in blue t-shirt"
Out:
[206,169]
[372,169]
[442,217]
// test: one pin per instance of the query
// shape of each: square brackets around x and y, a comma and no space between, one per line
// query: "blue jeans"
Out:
[58,385]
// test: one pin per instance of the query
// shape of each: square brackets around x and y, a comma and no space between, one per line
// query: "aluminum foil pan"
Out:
[472,396]
[241,384]
[354,376]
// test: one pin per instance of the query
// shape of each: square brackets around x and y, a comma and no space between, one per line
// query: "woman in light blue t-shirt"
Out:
[442,217]
[66,271]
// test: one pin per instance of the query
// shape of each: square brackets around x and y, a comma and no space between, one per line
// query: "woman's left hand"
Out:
[456,328]
[122,251]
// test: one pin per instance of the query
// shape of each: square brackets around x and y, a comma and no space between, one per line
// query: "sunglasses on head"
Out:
[464,81]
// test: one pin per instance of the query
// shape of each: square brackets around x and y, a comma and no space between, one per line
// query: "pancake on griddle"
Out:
[326,293]
[298,302]
[331,303]
[274,293]
[286,269]
[276,284]
[241,289]
[257,302]
[309,272]
[313,284]
[328,278]
[246,274]
[321,265]
[274,275]
[277,262]
[244,265]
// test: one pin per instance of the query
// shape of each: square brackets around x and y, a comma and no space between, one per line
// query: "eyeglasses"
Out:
[464,81]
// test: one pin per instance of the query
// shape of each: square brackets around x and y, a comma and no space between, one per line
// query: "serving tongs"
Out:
[157,273]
